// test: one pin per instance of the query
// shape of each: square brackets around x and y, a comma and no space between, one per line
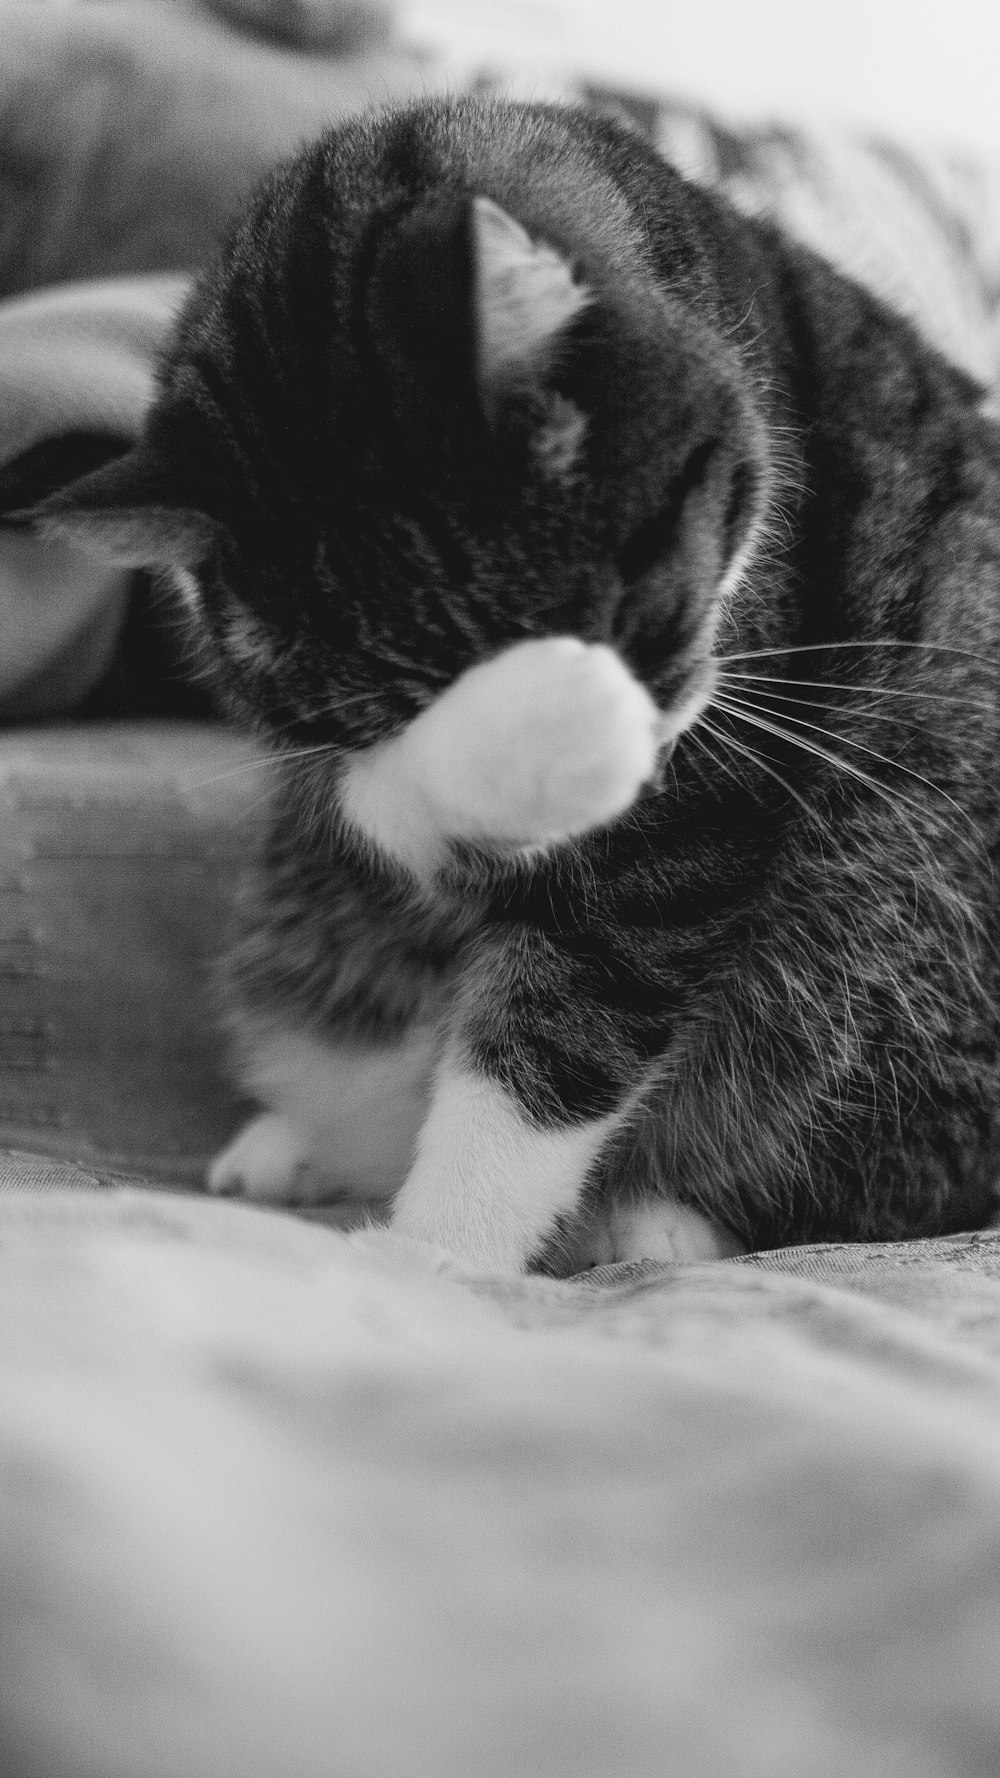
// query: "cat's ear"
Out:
[525,297]
[466,307]
[125,512]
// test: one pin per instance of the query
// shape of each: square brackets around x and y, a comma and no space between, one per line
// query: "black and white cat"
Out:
[619,587]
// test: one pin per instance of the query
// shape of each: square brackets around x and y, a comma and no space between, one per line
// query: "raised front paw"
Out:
[551,738]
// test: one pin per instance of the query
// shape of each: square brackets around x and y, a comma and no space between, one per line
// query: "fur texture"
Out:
[757,976]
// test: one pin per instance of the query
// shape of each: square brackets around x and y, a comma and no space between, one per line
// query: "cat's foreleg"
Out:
[333,986]
[536,1082]
[490,1184]
[489,1181]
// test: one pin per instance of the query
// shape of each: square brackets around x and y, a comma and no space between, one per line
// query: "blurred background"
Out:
[928,68]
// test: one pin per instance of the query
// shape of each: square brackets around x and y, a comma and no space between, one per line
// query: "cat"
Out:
[618,586]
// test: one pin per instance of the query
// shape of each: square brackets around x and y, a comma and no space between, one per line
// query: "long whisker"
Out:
[762,699]
[247,765]
[893,797]
[875,691]
[807,746]
[756,758]
[263,759]
[759,654]
[872,752]
[697,736]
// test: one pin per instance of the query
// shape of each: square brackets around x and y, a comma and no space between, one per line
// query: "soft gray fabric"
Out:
[275,1503]
[76,359]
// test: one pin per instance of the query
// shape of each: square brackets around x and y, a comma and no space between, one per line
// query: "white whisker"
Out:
[737,705]
[876,691]
[759,654]
[277,757]
[894,798]
[763,698]
[696,737]
[751,753]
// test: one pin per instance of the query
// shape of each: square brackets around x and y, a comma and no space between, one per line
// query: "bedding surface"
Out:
[279,1501]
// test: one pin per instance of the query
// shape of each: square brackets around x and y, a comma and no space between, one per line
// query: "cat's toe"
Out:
[652,1229]
[266,1161]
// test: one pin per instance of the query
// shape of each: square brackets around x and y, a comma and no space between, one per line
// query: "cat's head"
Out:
[431,401]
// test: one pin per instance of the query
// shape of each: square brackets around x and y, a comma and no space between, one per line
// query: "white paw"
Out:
[549,739]
[268,1161]
[654,1228]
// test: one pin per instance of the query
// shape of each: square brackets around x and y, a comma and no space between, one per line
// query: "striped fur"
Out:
[714,927]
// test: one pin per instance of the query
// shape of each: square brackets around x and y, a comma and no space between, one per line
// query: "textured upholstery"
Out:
[118,848]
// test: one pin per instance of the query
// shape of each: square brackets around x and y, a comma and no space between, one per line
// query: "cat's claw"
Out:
[549,739]
[265,1162]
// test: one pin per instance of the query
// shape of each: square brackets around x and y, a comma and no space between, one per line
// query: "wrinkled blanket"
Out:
[275,1503]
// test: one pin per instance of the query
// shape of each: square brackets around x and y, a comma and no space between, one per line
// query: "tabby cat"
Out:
[619,588]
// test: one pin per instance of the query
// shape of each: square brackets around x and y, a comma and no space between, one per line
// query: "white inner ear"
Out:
[525,296]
